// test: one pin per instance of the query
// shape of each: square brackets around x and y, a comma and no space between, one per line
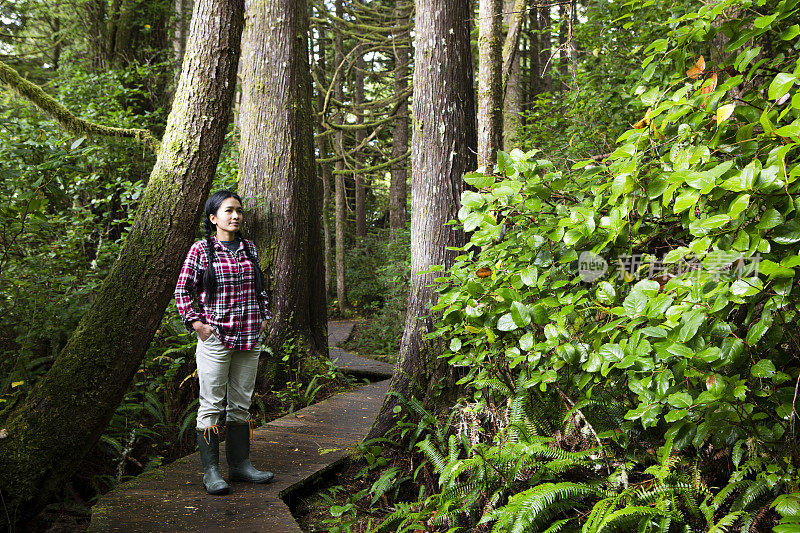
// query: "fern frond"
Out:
[526,508]
[621,520]
[725,522]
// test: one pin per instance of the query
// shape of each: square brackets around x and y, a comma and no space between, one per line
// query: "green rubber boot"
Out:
[208,443]
[237,451]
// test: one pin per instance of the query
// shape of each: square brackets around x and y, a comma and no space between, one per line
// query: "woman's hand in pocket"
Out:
[204,331]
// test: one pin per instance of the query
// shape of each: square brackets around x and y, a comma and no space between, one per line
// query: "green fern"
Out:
[527,510]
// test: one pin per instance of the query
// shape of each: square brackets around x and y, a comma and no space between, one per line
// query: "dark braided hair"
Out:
[209,278]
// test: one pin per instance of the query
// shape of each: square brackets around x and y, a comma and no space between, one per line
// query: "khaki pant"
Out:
[224,372]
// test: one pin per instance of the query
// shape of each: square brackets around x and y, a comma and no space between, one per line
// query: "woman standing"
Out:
[220,295]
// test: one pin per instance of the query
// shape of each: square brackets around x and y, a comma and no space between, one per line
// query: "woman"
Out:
[220,295]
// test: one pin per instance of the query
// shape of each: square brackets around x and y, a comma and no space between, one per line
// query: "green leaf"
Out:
[765,20]
[506,323]
[479,181]
[769,219]
[455,344]
[520,314]
[791,32]
[737,206]
[526,342]
[763,369]
[757,331]
[685,200]
[606,292]
[781,85]
[681,400]
[691,322]
[529,276]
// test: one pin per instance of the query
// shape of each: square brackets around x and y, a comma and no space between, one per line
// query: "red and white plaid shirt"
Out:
[236,311]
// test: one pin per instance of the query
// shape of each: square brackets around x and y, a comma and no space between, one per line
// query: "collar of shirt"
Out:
[219,246]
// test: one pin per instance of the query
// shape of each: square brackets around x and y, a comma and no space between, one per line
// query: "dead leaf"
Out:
[710,86]
[697,69]
[484,272]
[3,433]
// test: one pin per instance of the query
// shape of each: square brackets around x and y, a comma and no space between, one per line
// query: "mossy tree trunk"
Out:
[324,168]
[361,134]
[278,178]
[338,175]
[514,12]
[64,415]
[442,149]
[490,65]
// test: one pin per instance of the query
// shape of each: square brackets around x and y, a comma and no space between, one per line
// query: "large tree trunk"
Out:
[398,190]
[361,134]
[490,65]
[278,176]
[442,150]
[339,188]
[66,412]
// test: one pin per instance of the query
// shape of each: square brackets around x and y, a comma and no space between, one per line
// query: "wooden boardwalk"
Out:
[298,448]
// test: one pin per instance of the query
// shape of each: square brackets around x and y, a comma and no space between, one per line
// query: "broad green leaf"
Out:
[479,181]
[757,331]
[781,85]
[506,323]
[686,200]
[737,206]
[763,369]
[681,400]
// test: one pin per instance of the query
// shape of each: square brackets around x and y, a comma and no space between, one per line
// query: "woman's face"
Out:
[229,216]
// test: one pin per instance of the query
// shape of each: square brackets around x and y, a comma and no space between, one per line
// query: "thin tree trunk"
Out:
[278,176]
[398,190]
[361,207]
[341,211]
[325,169]
[534,54]
[64,415]
[490,99]
[563,54]
[442,150]
[545,45]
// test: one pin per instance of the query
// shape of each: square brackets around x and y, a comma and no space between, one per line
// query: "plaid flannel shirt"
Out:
[236,311]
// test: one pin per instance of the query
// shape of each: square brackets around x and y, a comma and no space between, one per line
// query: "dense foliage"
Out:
[627,326]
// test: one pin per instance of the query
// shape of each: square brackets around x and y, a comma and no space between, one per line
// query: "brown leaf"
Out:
[710,86]
[697,69]
[484,272]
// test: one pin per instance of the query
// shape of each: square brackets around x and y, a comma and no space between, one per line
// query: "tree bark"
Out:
[545,45]
[442,150]
[64,415]
[339,188]
[534,84]
[361,134]
[398,195]
[325,169]
[512,102]
[278,178]
[490,99]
